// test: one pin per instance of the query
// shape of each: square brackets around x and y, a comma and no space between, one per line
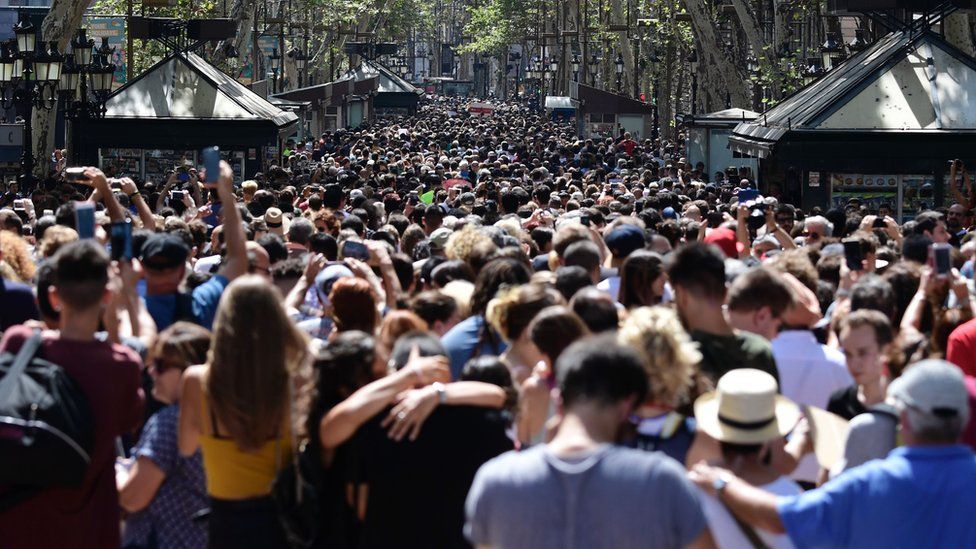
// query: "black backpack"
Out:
[46,425]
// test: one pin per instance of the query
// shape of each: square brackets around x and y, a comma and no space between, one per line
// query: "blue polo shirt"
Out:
[919,496]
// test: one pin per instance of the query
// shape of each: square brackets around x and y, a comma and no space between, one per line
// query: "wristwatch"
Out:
[719,484]
[441,393]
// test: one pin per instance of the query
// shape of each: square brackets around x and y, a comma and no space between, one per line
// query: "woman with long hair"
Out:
[510,314]
[642,280]
[160,489]
[238,408]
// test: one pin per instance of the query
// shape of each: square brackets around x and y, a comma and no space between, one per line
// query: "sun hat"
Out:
[746,409]
[276,221]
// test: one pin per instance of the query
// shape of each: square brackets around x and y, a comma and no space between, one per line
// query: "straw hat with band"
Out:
[746,409]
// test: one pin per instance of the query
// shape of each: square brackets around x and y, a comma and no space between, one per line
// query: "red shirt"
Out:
[628,145]
[961,350]
[87,516]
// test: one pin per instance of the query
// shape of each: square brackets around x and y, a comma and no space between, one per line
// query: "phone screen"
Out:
[853,256]
[85,219]
[943,259]
[211,164]
[121,240]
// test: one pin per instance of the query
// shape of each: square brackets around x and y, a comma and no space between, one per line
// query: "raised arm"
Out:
[139,201]
[234,237]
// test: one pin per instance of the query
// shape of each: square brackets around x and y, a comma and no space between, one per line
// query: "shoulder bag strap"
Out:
[748,531]
[26,353]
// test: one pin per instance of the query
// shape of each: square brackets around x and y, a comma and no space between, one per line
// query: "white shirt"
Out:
[610,286]
[206,264]
[808,373]
[727,533]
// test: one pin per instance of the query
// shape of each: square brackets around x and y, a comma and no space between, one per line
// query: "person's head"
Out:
[697,274]
[596,309]
[342,367]
[553,329]
[570,280]
[584,254]
[642,279]
[601,379]
[254,351]
[669,355]
[785,216]
[426,343]
[932,399]
[353,305]
[397,323]
[511,311]
[873,292]
[80,278]
[163,259]
[300,231]
[491,278]
[816,228]
[745,412]
[932,225]
[176,348]
[757,301]
[491,369]
[865,338]
[437,309]
[956,217]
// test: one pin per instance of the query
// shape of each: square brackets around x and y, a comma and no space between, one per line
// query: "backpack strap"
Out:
[23,358]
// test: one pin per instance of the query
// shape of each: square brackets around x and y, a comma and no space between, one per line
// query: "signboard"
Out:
[480,108]
[266,46]
[114,29]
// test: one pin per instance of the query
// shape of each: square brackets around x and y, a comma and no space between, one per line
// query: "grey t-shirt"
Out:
[613,497]
[871,435]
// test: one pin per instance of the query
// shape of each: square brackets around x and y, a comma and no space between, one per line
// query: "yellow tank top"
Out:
[233,474]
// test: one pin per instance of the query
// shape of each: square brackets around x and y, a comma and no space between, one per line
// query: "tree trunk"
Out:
[754,35]
[720,74]
[625,49]
[59,25]
[957,32]
[242,12]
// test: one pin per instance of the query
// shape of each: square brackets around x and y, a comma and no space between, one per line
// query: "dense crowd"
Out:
[452,330]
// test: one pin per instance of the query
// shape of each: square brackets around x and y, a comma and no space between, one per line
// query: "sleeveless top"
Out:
[233,474]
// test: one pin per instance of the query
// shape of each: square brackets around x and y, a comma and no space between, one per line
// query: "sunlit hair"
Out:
[511,311]
[670,356]
[463,242]
[181,345]
[397,323]
[254,351]
[17,255]
[354,305]
[54,238]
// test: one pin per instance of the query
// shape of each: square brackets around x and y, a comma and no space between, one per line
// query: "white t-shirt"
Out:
[727,533]
[808,374]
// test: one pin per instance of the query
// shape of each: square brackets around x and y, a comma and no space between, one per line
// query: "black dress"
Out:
[844,402]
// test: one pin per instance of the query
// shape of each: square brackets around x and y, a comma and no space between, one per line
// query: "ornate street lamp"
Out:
[275,66]
[576,67]
[858,43]
[693,64]
[831,51]
[813,71]
[619,66]
[29,78]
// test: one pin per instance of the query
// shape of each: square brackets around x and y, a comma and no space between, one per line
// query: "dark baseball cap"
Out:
[164,251]
[625,239]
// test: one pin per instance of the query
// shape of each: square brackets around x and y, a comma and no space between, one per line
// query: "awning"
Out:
[561,102]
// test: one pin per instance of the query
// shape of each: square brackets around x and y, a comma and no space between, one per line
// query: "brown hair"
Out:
[511,312]
[556,328]
[254,351]
[758,288]
[353,305]
[181,345]
[397,323]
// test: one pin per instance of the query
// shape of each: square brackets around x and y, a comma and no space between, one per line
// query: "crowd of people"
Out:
[455,330]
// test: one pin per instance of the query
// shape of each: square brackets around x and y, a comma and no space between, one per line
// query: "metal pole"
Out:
[657,130]
[254,46]
[636,63]
[128,44]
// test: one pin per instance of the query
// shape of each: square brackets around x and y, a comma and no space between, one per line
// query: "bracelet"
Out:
[135,194]
[441,392]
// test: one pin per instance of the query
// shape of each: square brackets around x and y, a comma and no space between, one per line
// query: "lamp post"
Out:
[517,57]
[655,62]
[813,71]
[28,79]
[858,43]
[593,66]
[576,67]
[301,61]
[275,62]
[619,65]
[553,71]
[86,80]
[693,64]
[830,51]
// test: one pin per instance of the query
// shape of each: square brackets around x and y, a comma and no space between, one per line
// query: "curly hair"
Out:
[17,255]
[511,311]
[462,243]
[54,238]
[670,356]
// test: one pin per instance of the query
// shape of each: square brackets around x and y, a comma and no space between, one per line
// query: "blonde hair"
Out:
[254,353]
[670,356]
[512,309]
[54,238]
[17,255]
[461,243]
